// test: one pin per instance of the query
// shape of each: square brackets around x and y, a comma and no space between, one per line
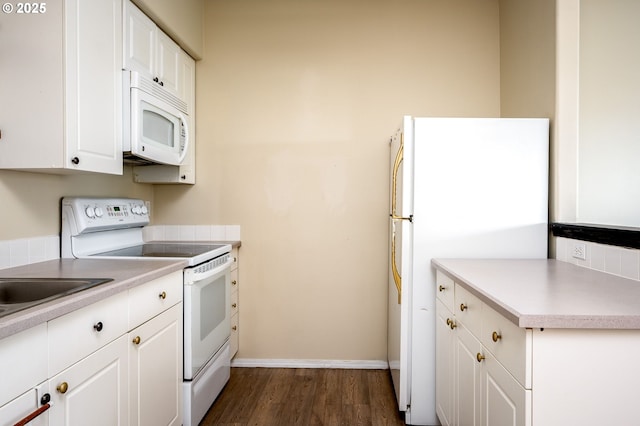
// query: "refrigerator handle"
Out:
[410,218]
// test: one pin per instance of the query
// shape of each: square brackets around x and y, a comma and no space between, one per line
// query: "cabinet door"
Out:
[31,88]
[93,85]
[169,64]
[155,360]
[188,83]
[93,391]
[139,41]
[467,378]
[23,362]
[444,364]
[504,401]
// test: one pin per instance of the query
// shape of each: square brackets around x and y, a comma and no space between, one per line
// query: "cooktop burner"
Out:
[186,250]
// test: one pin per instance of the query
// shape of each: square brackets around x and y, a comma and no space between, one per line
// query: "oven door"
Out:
[207,309]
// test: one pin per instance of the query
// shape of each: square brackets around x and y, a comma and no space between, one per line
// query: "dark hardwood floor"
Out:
[305,397]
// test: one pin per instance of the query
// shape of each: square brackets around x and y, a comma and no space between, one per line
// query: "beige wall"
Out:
[182,20]
[295,104]
[31,201]
[528,70]
[527,58]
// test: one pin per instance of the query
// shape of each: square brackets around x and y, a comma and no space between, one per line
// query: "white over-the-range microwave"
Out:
[155,122]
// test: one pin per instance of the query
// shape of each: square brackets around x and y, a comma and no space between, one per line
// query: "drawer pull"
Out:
[136,340]
[479,357]
[495,336]
[63,387]
[234,328]
[449,321]
[234,305]
[234,282]
[163,295]
[98,326]
[463,307]
[441,288]
[452,325]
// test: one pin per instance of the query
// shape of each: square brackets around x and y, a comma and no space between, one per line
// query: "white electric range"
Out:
[112,228]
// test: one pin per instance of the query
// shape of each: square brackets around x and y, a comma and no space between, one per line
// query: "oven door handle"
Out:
[193,275]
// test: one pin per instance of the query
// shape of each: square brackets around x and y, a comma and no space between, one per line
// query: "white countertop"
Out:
[549,293]
[125,274]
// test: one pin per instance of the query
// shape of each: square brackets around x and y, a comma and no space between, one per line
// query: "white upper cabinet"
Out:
[140,41]
[149,51]
[61,88]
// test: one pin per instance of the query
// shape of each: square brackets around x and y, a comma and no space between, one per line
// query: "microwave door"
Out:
[159,131]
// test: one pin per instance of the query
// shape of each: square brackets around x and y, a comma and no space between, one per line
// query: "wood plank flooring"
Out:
[305,397]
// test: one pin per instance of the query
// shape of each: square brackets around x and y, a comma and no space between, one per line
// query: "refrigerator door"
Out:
[400,253]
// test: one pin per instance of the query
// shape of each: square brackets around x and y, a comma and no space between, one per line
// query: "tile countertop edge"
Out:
[126,274]
[541,320]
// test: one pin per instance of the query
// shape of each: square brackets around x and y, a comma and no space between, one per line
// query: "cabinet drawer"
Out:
[75,335]
[234,339]
[235,284]
[234,303]
[148,300]
[510,344]
[444,290]
[23,362]
[236,258]
[468,310]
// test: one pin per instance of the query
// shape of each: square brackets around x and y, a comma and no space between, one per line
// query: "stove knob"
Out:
[136,209]
[90,212]
[145,210]
[99,212]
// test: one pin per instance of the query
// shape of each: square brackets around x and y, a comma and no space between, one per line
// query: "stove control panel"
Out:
[82,215]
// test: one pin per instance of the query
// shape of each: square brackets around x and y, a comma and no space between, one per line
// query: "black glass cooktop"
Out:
[163,250]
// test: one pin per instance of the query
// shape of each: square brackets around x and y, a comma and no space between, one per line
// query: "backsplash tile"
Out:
[191,233]
[29,250]
[601,257]
[5,254]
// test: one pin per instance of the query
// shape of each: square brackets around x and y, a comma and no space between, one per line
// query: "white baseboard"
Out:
[310,363]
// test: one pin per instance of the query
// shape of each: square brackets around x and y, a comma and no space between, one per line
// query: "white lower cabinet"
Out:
[490,372]
[445,378]
[505,402]
[115,362]
[25,405]
[234,339]
[155,366]
[473,345]
[468,378]
[23,365]
[94,391]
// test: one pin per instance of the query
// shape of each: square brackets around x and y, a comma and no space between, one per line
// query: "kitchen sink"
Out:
[22,293]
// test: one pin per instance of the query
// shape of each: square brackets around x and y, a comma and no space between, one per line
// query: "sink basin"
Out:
[21,293]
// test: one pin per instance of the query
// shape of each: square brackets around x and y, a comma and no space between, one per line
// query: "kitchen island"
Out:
[535,342]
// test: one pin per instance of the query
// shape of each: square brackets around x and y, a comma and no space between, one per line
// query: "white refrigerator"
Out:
[464,188]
